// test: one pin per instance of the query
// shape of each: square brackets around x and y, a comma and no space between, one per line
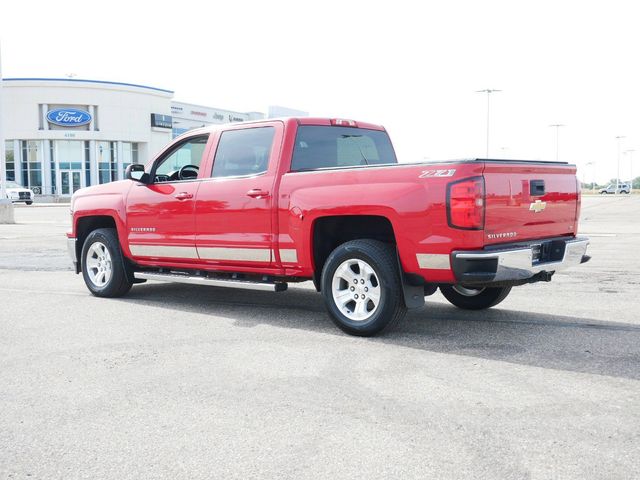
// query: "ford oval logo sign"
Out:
[68,117]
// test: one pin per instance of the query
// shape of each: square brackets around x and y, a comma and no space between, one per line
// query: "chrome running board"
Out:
[213,282]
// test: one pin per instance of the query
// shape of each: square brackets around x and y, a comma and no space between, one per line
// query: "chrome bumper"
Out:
[517,263]
[71,248]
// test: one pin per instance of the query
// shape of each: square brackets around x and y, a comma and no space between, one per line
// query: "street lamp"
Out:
[488,91]
[557,126]
[630,153]
[593,173]
[618,138]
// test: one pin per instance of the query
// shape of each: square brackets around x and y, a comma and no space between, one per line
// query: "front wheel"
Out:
[103,265]
[470,298]
[30,202]
[361,287]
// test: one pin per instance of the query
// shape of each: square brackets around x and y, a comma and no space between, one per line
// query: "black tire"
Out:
[486,298]
[29,202]
[120,280]
[385,280]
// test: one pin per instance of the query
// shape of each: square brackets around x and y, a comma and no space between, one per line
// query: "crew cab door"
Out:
[234,207]
[160,214]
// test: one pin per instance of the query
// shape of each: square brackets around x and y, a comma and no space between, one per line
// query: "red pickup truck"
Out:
[260,204]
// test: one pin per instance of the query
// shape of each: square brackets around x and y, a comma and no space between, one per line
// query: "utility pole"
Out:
[557,126]
[618,138]
[488,91]
[6,207]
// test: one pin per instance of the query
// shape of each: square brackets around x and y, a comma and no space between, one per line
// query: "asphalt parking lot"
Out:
[179,381]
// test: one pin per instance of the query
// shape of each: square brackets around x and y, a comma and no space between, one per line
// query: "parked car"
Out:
[17,193]
[622,188]
[258,205]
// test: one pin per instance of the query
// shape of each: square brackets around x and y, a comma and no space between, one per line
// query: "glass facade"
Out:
[32,165]
[70,157]
[52,167]
[60,167]
[10,157]
[107,162]
[129,154]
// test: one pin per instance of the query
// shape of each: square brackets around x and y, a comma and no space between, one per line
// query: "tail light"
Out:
[465,204]
[578,205]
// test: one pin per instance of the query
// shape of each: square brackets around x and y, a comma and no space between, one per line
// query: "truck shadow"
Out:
[523,338]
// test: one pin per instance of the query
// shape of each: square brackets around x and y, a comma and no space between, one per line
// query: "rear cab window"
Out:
[322,147]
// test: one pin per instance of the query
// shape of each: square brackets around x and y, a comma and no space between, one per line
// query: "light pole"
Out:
[488,91]
[6,207]
[630,153]
[557,126]
[593,174]
[618,138]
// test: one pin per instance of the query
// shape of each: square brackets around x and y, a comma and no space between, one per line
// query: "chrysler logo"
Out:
[537,206]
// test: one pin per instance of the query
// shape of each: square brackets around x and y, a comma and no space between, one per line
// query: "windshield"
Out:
[13,185]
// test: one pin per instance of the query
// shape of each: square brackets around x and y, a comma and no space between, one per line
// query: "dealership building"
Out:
[65,134]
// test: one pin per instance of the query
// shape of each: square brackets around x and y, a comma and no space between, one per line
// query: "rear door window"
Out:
[334,147]
[243,152]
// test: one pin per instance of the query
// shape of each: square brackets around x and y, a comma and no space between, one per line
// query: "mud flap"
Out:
[413,294]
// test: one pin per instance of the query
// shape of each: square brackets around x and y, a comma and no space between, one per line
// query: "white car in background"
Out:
[18,193]
[622,188]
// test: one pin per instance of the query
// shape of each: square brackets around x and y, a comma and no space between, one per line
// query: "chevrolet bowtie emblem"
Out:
[537,206]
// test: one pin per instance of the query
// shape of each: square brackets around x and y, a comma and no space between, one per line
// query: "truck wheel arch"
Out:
[85,225]
[329,232]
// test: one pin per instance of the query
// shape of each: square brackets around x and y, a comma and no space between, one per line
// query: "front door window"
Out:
[183,162]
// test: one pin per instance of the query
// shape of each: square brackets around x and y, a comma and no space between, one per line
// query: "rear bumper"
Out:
[518,263]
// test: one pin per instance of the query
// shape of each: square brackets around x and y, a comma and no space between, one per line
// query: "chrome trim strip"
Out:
[171,251]
[289,255]
[434,261]
[235,254]
[194,280]
[518,264]
[71,248]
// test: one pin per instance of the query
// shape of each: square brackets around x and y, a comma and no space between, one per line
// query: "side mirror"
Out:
[135,172]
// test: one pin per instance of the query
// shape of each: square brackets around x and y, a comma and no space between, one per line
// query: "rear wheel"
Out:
[103,265]
[361,287]
[29,202]
[470,298]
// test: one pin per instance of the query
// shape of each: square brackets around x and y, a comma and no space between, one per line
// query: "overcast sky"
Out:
[411,66]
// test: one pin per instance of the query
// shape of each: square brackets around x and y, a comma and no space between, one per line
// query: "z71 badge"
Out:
[437,173]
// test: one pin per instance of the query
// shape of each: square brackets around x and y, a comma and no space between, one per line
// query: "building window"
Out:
[52,164]
[70,157]
[107,162]
[129,154]
[11,160]
[87,163]
[31,166]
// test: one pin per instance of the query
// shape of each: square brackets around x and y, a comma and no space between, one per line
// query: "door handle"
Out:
[257,193]
[183,195]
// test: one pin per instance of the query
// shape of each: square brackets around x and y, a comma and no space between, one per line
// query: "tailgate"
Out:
[529,200]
